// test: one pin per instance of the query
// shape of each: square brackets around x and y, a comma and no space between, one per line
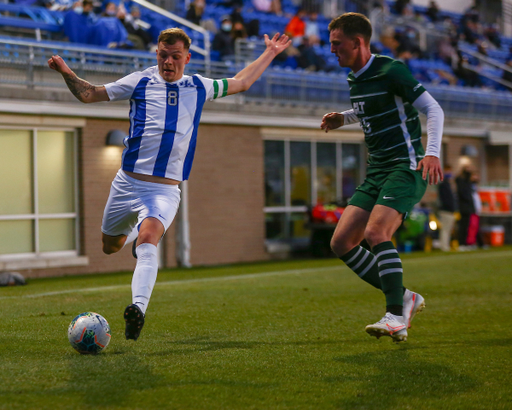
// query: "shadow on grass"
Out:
[205,343]
[386,380]
[109,379]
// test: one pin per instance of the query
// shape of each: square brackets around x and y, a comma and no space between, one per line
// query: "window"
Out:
[299,174]
[38,214]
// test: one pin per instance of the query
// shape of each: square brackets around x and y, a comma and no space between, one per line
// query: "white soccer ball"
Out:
[89,333]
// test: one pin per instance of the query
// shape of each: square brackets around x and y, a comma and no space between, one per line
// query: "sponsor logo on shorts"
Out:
[162,217]
[388,197]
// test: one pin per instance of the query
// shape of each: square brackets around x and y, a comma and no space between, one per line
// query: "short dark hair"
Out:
[172,35]
[353,24]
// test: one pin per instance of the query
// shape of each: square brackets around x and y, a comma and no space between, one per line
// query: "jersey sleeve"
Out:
[214,88]
[122,89]
[403,83]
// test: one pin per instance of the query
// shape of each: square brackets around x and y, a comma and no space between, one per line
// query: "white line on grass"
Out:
[262,274]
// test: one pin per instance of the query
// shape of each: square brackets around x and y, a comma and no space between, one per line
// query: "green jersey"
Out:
[382,98]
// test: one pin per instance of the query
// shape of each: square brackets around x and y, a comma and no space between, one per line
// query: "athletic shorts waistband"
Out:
[138,183]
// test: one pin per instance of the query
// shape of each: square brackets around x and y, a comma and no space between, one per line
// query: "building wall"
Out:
[497,163]
[226,194]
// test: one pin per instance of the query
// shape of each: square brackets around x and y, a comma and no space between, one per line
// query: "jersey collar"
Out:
[366,67]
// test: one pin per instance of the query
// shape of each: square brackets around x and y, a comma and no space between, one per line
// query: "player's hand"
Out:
[332,121]
[431,166]
[277,44]
[58,64]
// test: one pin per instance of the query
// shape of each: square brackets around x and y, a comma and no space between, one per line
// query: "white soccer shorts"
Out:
[131,201]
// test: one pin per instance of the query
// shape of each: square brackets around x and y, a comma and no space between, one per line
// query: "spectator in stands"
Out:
[447,208]
[238,31]
[268,6]
[403,8]
[466,204]
[308,59]
[195,11]
[446,50]
[110,10]
[223,42]
[78,22]
[312,31]
[470,26]
[109,31]
[296,27]
[408,46]
[132,23]
[482,48]
[88,10]
[492,34]
[252,27]
[507,75]
[469,77]
[474,237]
[433,12]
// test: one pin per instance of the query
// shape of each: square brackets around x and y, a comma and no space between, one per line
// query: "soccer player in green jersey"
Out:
[385,99]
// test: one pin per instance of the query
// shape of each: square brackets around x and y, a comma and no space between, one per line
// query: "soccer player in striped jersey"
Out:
[385,99]
[165,108]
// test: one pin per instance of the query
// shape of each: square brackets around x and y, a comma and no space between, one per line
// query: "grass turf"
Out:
[287,335]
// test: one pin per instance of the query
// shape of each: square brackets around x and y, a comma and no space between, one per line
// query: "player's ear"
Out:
[357,42]
[188,58]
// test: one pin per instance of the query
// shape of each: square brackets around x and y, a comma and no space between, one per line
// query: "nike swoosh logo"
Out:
[388,197]
[162,217]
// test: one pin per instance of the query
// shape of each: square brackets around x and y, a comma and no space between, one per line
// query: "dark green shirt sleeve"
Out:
[403,83]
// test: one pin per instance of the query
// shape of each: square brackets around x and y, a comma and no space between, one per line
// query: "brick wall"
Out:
[226,199]
[226,195]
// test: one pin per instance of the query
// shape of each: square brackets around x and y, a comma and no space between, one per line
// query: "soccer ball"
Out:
[89,333]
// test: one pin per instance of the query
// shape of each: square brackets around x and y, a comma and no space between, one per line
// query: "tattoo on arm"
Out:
[81,89]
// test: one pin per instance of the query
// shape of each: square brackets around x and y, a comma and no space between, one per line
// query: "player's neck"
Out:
[361,60]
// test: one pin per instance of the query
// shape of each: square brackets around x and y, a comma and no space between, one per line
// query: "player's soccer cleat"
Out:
[413,303]
[134,248]
[389,325]
[134,319]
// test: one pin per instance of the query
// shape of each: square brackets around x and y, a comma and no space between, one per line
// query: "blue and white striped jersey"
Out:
[164,118]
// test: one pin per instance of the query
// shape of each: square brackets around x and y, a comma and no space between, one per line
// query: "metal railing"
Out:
[24,64]
[486,60]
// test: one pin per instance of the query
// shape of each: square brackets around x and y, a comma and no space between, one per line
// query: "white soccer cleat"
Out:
[389,325]
[413,303]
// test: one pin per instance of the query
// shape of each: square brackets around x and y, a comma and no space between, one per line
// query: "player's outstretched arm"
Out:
[81,89]
[432,166]
[332,121]
[245,78]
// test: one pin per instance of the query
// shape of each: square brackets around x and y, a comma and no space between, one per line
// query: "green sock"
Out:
[363,262]
[390,272]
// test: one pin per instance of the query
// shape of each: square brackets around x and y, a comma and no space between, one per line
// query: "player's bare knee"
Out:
[374,236]
[341,245]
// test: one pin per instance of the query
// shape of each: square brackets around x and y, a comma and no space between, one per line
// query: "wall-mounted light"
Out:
[116,138]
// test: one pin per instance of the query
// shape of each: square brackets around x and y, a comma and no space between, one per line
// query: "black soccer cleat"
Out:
[134,319]
[134,248]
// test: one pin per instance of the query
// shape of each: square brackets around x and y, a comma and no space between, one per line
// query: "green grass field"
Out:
[286,335]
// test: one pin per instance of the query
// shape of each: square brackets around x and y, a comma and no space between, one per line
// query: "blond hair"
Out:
[172,35]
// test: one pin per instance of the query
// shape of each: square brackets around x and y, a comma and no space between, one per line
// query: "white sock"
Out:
[144,276]
[131,236]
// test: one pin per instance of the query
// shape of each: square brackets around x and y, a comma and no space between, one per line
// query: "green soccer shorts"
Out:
[397,188]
